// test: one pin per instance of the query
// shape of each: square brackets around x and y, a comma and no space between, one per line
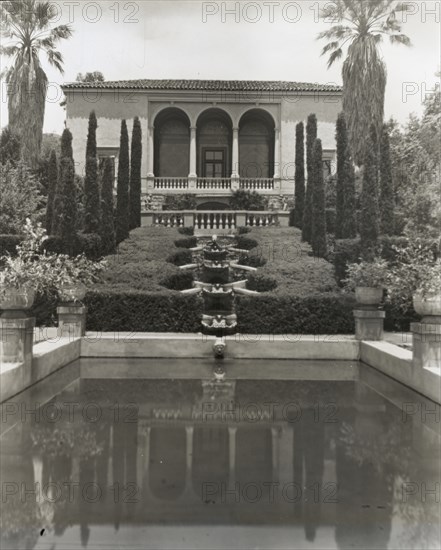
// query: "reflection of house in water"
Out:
[152,466]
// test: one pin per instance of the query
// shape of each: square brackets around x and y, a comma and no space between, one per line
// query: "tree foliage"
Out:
[20,198]
[122,201]
[107,229]
[361,24]
[66,229]
[318,229]
[387,205]
[299,204]
[345,221]
[94,76]
[91,187]
[369,218]
[27,30]
[52,179]
[135,175]
[244,199]
[311,136]
[10,147]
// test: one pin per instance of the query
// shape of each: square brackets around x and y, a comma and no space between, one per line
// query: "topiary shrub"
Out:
[8,244]
[181,257]
[246,243]
[186,231]
[178,281]
[251,260]
[244,199]
[135,311]
[260,283]
[242,229]
[188,242]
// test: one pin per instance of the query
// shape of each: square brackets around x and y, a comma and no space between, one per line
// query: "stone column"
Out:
[150,159]
[72,320]
[235,160]
[369,323]
[427,343]
[192,176]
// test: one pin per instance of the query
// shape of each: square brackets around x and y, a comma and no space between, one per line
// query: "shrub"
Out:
[345,251]
[135,176]
[311,136]
[244,199]
[287,314]
[369,220]
[296,216]
[188,242]
[373,273]
[252,260]
[386,186]
[134,311]
[107,226]
[345,226]
[8,244]
[330,220]
[181,257]
[52,179]
[180,280]
[318,228]
[261,283]
[66,227]
[242,229]
[122,202]
[186,201]
[91,187]
[89,244]
[186,231]
[246,243]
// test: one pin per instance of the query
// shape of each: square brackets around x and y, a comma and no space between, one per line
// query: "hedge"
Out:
[246,243]
[181,257]
[188,242]
[182,280]
[243,229]
[261,283]
[330,220]
[189,231]
[325,313]
[85,243]
[346,251]
[8,244]
[131,311]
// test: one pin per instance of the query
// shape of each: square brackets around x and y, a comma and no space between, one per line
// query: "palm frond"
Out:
[334,56]
[400,39]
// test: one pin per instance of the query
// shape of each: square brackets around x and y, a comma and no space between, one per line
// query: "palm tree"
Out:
[26,26]
[361,25]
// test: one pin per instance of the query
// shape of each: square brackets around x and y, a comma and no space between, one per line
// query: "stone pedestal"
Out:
[369,323]
[16,339]
[240,219]
[426,344]
[72,320]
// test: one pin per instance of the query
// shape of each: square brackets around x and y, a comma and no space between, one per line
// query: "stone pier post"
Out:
[16,338]
[72,320]
[427,343]
[369,323]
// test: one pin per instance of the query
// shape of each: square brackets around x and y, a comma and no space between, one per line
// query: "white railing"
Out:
[215,220]
[256,183]
[260,219]
[171,183]
[168,219]
[213,183]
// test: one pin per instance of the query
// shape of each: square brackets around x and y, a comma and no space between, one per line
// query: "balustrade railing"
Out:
[260,219]
[213,183]
[214,220]
[256,183]
[168,219]
[171,183]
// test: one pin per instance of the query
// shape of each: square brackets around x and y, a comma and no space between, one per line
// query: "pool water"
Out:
[349,460]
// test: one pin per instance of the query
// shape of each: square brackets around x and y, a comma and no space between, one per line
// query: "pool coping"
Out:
[56,353]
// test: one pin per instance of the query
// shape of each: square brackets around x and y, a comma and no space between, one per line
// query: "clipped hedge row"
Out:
[85,243]
[325,313]
[181,257]
[118,310]
[181,280]
[261,283]
[246,243]
[187,242]
[8,244]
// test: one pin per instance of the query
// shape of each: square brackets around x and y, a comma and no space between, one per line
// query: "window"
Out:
[214,163]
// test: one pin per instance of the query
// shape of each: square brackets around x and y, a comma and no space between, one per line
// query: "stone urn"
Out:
[428,304]
[368,295]
[69,293]
[12,298]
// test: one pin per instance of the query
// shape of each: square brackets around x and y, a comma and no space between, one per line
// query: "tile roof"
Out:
[208,85]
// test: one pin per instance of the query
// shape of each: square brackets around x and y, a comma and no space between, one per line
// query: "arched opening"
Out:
[213,205]
[214,138]
[172,143]
[256,145]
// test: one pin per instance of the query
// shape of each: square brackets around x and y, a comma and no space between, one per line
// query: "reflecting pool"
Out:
[263,459]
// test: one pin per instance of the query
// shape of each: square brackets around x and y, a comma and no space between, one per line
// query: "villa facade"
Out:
[206,137]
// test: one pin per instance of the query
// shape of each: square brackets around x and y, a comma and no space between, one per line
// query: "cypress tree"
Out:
[345,222]
[52,177]
[311,136]
[67,226]
[122,201]
[91,186]
[66,152]
[135,175]
[386,186]
[318,227]
[299,204]
[369,215]
[107,211]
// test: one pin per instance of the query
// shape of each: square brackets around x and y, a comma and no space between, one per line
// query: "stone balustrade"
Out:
[257,184]
[213,183]
[174,184]
[170,183]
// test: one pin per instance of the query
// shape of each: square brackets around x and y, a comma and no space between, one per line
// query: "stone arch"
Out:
[214,142]
[171,143]
[256,144]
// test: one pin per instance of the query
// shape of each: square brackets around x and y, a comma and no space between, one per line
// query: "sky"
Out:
[246,40]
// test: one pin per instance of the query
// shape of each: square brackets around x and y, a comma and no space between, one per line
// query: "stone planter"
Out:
[428,305]
[17,299]
[368,296]
[72,293]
